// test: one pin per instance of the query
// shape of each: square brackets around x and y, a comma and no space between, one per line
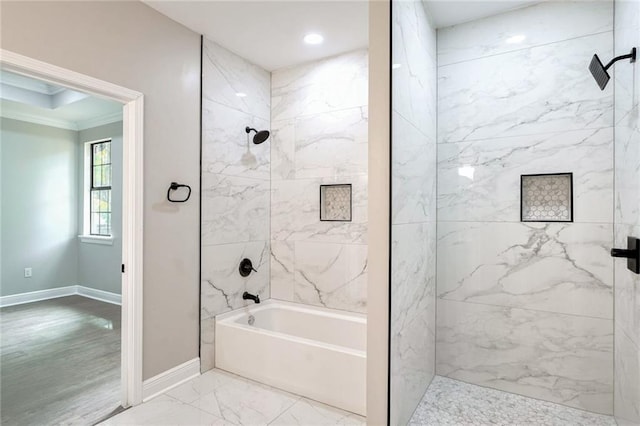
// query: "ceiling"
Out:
[28,99]
[270,33]
[445,13]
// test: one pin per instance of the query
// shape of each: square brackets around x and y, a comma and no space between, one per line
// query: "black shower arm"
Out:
[631,56]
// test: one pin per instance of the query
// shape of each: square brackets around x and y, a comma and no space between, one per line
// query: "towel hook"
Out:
[174,186]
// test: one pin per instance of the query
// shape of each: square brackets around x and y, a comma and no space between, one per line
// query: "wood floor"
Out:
[59,362]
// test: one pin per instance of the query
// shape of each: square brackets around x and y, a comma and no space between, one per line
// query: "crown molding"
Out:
[99,121]
[62,124]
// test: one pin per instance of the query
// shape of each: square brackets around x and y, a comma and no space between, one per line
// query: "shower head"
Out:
[599,71]
[259,137]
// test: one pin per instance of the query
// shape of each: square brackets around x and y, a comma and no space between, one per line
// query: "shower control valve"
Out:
[246,267]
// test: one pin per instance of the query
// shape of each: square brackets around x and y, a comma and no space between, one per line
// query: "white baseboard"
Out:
[36,296]
[101,295]
[170,379]
[54,293]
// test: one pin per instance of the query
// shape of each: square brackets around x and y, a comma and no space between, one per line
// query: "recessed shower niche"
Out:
[335,203]
[546,197]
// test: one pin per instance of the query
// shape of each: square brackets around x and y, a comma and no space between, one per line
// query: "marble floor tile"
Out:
[221,398]
[450,402]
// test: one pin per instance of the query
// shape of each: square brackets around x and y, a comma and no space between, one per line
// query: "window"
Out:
[100,189]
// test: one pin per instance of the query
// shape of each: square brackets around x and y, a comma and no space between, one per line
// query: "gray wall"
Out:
[39,198]
[413,208]
[540,292]
[627,213]
[99,264]
[235,185]
[130,44]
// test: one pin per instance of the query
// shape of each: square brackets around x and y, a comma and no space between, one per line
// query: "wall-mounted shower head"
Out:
[599,71]
[259,137]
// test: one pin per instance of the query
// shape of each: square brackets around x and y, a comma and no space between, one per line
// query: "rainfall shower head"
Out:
[259,137]
[599,71]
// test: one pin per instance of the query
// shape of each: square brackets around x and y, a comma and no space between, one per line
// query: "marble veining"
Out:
[564,268]
[451,402]
[538,90]
[480,180]
[227,77]
[331,84]
[221,398]
[331,275]
[555,357]
[413,207]
[524,28]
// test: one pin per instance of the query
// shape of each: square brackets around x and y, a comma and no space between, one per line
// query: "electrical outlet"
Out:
[28,272]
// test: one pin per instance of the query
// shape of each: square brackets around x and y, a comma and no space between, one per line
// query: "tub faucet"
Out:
[247,296]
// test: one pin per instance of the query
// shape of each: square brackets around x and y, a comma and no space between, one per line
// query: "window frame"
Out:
[88,188]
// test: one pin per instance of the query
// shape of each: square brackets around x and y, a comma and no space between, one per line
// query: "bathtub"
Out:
[314,352]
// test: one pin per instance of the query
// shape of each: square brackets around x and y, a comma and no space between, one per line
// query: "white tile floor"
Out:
[450,402]
[221,398]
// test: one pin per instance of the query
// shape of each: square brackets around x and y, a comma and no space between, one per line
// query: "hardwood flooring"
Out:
[59,362]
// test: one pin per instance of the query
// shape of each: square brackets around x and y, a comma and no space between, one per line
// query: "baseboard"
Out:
[101,295]
[36,296]
[170,379]
[54,293]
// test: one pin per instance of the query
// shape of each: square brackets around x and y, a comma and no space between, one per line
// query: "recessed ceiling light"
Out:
[241,95]
[516,39]
[313,38]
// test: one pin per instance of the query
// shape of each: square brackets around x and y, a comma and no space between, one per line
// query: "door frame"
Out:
[132,203]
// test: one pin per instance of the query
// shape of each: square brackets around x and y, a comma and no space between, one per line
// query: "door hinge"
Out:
[123,268]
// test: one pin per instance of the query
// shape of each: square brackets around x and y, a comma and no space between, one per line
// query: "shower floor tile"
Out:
[450,402]
[220,398]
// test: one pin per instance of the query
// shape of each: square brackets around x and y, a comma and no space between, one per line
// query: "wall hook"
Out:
[174,186]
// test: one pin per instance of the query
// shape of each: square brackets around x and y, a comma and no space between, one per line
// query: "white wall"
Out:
[39,199]
[130,44]
[627,213]
[235,187]
[99,264]
[539,293]
[319,121]
[413,208]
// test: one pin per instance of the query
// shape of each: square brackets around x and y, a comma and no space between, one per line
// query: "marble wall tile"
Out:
[226,147]
[331,275]
[560,358]
[222,285]
[207,344]
[226,75]
[414,82]
[413,178]
[283,149]
[523,28]
[480,180]
[295,211]
[564,268]
[627,287]
[282,269]
[538,90]
[625,74]
[332,144]
[627,168]
[332,84]
[413,320]
[234,209]
[627,380]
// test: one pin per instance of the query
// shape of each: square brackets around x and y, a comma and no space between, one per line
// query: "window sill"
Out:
[94,239]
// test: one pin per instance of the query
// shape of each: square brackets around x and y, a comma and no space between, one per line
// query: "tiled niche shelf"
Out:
[546,197]
[335,203]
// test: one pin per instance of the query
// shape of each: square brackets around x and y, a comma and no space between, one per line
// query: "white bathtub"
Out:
[314,352]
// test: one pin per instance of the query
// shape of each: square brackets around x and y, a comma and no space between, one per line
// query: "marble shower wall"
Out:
[235,186]
[413,208]
[526,307]
[627,213]
[320,136]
